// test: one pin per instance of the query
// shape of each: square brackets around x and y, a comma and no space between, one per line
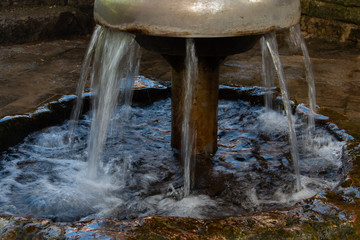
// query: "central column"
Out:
[211,52]
[204,112]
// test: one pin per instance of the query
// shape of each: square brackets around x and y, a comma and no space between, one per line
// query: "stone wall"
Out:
[15,4]
[34,20]
[332,20]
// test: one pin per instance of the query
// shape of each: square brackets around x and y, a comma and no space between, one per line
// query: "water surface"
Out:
[46,176]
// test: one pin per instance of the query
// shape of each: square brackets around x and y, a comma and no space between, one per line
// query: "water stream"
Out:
[271,60]
[115,66]
[268,73]
[84,75]
[187,141]
[299,42]
[271,43]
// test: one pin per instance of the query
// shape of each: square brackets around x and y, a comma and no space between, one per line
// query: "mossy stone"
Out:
[341,10]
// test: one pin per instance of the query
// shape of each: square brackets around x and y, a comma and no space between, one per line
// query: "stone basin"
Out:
[277,223]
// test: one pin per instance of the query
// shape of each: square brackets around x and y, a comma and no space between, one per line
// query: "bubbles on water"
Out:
[273,122]
[46,176]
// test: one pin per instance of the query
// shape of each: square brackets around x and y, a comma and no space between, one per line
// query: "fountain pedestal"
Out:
[211,53]
[203,116]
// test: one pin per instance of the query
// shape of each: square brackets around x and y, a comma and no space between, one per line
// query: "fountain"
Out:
[120,184]
[217,29]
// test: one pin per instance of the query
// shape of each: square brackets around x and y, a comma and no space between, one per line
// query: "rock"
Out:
[40,23]
[44,22]
[330,30]
[340,10]
[331,20]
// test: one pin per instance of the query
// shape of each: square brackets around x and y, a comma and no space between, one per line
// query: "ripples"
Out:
[252,171]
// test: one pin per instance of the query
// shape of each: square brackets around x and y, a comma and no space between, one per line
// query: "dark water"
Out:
[46,176]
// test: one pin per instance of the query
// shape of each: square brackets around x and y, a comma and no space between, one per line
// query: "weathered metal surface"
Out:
[205,47]
[199,18]
[204,112]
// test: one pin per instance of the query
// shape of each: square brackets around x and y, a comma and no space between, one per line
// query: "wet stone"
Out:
[36,23]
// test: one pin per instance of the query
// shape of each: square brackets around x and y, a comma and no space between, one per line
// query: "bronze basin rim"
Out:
[197,18]
[144,30]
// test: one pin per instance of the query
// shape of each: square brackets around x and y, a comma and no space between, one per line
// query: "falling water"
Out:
[85,70]
[271,43]
[268,73]
[116,62]
[187,141]
[298,41]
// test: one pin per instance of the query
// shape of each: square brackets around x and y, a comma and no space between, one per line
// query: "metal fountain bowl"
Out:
[197,18]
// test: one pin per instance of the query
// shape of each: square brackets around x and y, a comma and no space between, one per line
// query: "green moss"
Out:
[237,228]
[346,3]
[346,12]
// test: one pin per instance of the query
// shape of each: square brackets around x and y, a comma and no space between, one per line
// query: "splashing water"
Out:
[46,177]
[271,43]
[187,141]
